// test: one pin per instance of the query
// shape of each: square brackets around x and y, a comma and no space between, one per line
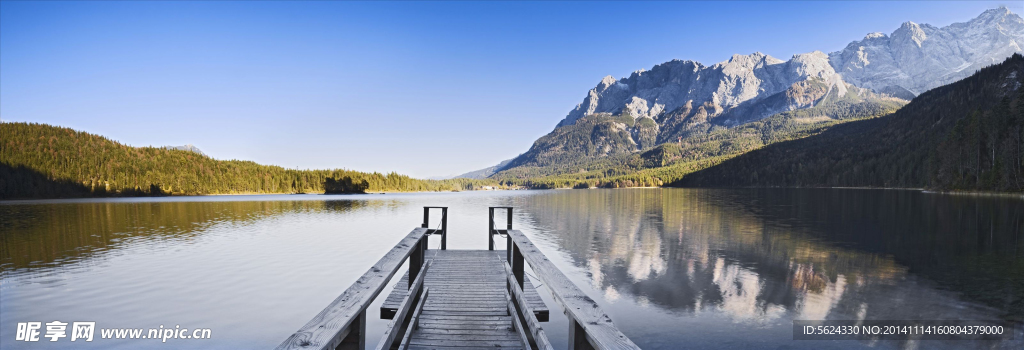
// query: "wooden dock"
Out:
[454,268]
[466,306]
[460,299]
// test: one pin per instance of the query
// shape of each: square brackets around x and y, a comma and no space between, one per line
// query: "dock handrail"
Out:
[415,320]
[342,324]
[411,300]
[444,224]
[491,230]
[589,326]
[524,317]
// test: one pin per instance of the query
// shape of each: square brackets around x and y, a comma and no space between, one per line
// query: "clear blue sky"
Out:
[424,89]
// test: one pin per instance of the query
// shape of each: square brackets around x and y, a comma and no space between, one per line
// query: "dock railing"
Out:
[491,230]
[342,324]
[444,225]
[589,326]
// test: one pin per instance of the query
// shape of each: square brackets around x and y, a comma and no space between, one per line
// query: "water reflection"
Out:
[704,268]
[764,257]
[40,236]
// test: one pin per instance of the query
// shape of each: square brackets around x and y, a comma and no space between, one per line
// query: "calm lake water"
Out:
[673,267]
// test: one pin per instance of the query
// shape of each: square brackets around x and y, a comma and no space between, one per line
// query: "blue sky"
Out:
[421,88]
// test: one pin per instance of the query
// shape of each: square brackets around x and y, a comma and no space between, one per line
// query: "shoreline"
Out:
[183,197]
[922,190]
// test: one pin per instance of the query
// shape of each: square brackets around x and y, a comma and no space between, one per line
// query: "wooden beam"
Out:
[444,228]
[578,336]
[415,321]
[490,228]
[598,326]
[326,329]
[403,309]
[356,337]
[518,267]
[417,258]
[519,297]
[516,323]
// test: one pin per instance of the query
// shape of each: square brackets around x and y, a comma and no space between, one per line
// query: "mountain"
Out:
[741,90]
[44,161]
[485,172]
[914,58]
[728,93]
[920,57]
[693,105]
[968,135]
[572,161]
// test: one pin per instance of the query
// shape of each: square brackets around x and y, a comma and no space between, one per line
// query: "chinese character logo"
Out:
[83,330]
[56,330]
[28,331]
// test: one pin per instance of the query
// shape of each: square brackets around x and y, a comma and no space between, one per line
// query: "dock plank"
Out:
[467,307]
[469,299]
[467,283]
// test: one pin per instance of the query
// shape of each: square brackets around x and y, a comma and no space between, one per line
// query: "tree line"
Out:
[44,161]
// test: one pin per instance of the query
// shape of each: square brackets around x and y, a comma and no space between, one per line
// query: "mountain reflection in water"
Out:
[763,257]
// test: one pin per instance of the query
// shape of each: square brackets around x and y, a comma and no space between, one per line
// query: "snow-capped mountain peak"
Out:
[912,59]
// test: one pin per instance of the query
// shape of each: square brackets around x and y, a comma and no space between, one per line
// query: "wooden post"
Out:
[416,260]
[517,265]
[595,327]
[508,250]
[508,210]
[578,336]
[444,228]
[329,327]
[356,338]
[490,228]
[426,217]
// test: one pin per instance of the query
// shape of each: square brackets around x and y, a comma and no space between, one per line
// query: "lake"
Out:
[695,268]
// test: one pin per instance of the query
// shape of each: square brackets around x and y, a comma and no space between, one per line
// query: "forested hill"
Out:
[43,161]
[968,135]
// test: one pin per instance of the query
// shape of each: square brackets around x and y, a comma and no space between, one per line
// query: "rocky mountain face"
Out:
[911,60]
[714,92]
[679,99]
[919,57]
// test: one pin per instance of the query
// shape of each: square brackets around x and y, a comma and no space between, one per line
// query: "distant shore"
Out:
[923,190]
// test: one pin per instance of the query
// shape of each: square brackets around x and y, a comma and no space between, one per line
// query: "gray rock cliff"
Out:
[911,60]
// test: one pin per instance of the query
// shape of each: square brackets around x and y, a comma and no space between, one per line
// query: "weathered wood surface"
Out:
[415,320]
[540,310]
[600,331]
[467,307]
[395,325]
[517,301]
[329,327]
[516,323]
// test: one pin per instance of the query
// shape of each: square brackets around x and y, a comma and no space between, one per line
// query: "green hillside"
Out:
[968,135]
[43,161]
